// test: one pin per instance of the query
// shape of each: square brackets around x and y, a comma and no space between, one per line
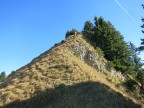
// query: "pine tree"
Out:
[112,43]
[88,30]
[103,35]
[2,76]
[141,48]
[135,60]
[71,32]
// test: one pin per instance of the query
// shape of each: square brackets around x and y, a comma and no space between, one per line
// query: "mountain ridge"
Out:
[69,63]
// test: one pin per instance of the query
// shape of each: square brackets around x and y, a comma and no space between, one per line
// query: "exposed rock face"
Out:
[93,59]
[90,57]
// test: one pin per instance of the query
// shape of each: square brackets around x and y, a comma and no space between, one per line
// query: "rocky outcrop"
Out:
[89,55]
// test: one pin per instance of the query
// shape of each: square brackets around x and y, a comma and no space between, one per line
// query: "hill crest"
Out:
[71,63]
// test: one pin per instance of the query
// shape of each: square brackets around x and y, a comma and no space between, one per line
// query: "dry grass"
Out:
[41,80]
[81,95]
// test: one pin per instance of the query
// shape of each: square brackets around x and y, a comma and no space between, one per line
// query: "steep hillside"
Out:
[69,75]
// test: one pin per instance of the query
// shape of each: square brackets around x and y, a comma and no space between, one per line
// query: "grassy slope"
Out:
[58,79]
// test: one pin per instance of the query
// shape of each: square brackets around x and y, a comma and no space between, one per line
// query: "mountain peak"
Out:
[70,74]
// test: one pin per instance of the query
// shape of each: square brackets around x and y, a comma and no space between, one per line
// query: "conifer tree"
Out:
[2,76]
[88,29]
[71,32]
[135,60]
[104,36]
[141,48]
[112,43]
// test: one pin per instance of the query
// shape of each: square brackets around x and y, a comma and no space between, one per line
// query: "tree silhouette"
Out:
[141,48]
[2,76]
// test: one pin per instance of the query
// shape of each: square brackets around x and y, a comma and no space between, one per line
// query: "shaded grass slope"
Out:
[81,95]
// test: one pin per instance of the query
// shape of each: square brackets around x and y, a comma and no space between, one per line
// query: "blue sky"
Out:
[30,27]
